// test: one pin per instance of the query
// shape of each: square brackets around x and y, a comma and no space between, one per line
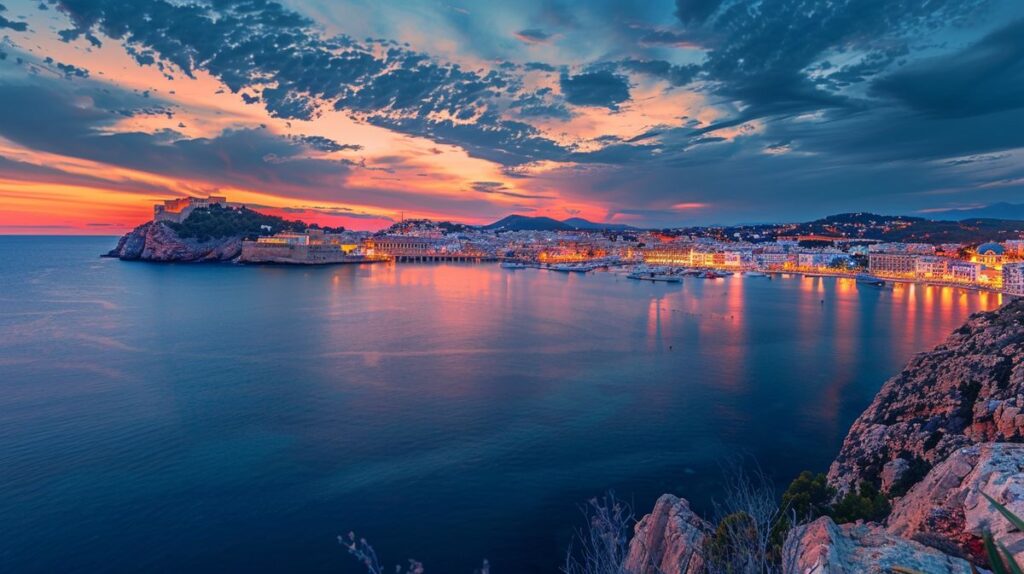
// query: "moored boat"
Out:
[663,277]
[868,279]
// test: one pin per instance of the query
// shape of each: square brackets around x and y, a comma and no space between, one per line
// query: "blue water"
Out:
[213,418]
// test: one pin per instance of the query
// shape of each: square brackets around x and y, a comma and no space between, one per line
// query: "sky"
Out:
[651,113]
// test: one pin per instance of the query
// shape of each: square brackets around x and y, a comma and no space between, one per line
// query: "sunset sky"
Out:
[355,112]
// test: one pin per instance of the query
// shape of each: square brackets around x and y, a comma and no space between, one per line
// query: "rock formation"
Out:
[969,389]
[948,506]
[822,547]
[669,540]
[156,241]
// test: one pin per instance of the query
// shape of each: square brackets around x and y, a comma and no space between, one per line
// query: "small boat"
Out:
[664,277]
[755,274]
[571,268]
[709,274]
[868,279]
[513,265]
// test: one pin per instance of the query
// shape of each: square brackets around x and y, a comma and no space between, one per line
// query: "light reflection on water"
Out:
[210,418]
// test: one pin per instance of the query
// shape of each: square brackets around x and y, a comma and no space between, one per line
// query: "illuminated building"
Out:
[931,267]
[892,264]
[1013,278]
[990,255]
[964,271]
[178,210]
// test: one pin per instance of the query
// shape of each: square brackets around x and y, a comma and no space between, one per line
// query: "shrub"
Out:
[809,496]
[863,503]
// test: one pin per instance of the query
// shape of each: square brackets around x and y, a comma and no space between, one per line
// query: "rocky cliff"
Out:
[968,390]
[156,241]
[947,509]
[937,435]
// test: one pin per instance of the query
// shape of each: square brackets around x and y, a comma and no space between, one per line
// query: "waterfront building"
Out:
[1014,249]
[1013,278]
[931,267]
[821,259]
[990,255]
[679,256]
[896,265]
[285,238]
[961,271]
[178,210]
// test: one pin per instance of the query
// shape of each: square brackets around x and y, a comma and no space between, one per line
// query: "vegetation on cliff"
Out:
[217,222]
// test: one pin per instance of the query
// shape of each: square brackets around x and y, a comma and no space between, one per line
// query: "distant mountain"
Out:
[580,223]
[1002,210]
[527,223]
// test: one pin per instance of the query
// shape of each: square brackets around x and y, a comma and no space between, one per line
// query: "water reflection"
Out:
[479,404]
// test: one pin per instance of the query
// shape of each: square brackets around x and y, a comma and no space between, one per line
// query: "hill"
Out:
[527,223]
[530,223]
[580,223]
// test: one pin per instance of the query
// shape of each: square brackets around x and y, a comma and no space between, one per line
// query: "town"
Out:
[849,245]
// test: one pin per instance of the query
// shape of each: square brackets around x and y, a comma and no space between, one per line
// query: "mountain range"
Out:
[530,223]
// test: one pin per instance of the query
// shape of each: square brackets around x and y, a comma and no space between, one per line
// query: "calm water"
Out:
[218,418]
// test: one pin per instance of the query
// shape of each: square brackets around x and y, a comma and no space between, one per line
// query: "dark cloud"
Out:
[498,188]
[985,77]
[696,11]
[675,74]
[764,53]
[262,46]
[601,88]
[68,70]
[539,67]
[533,36]
[10,24]
[669,37]
[321,143]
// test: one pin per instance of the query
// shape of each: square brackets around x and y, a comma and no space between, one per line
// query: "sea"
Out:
[229,418]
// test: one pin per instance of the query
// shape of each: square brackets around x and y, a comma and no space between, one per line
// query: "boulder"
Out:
[967,390]
[669,540]
[947,504]
[894,472]
[822,547]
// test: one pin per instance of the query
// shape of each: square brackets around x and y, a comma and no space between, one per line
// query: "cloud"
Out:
[498,188]
[601,88]
[986,77]
[10,24]
[661,36]
[696,11]
[269,50]
[324,144]
[533,36]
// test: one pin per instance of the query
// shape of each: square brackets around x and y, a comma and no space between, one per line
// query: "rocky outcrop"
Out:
[669,540]
[968,390]
[822,547]
[947,506]
[156,241]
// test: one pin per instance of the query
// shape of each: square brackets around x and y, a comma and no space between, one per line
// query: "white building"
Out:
[1013,278]
[964,271]
[931,267]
